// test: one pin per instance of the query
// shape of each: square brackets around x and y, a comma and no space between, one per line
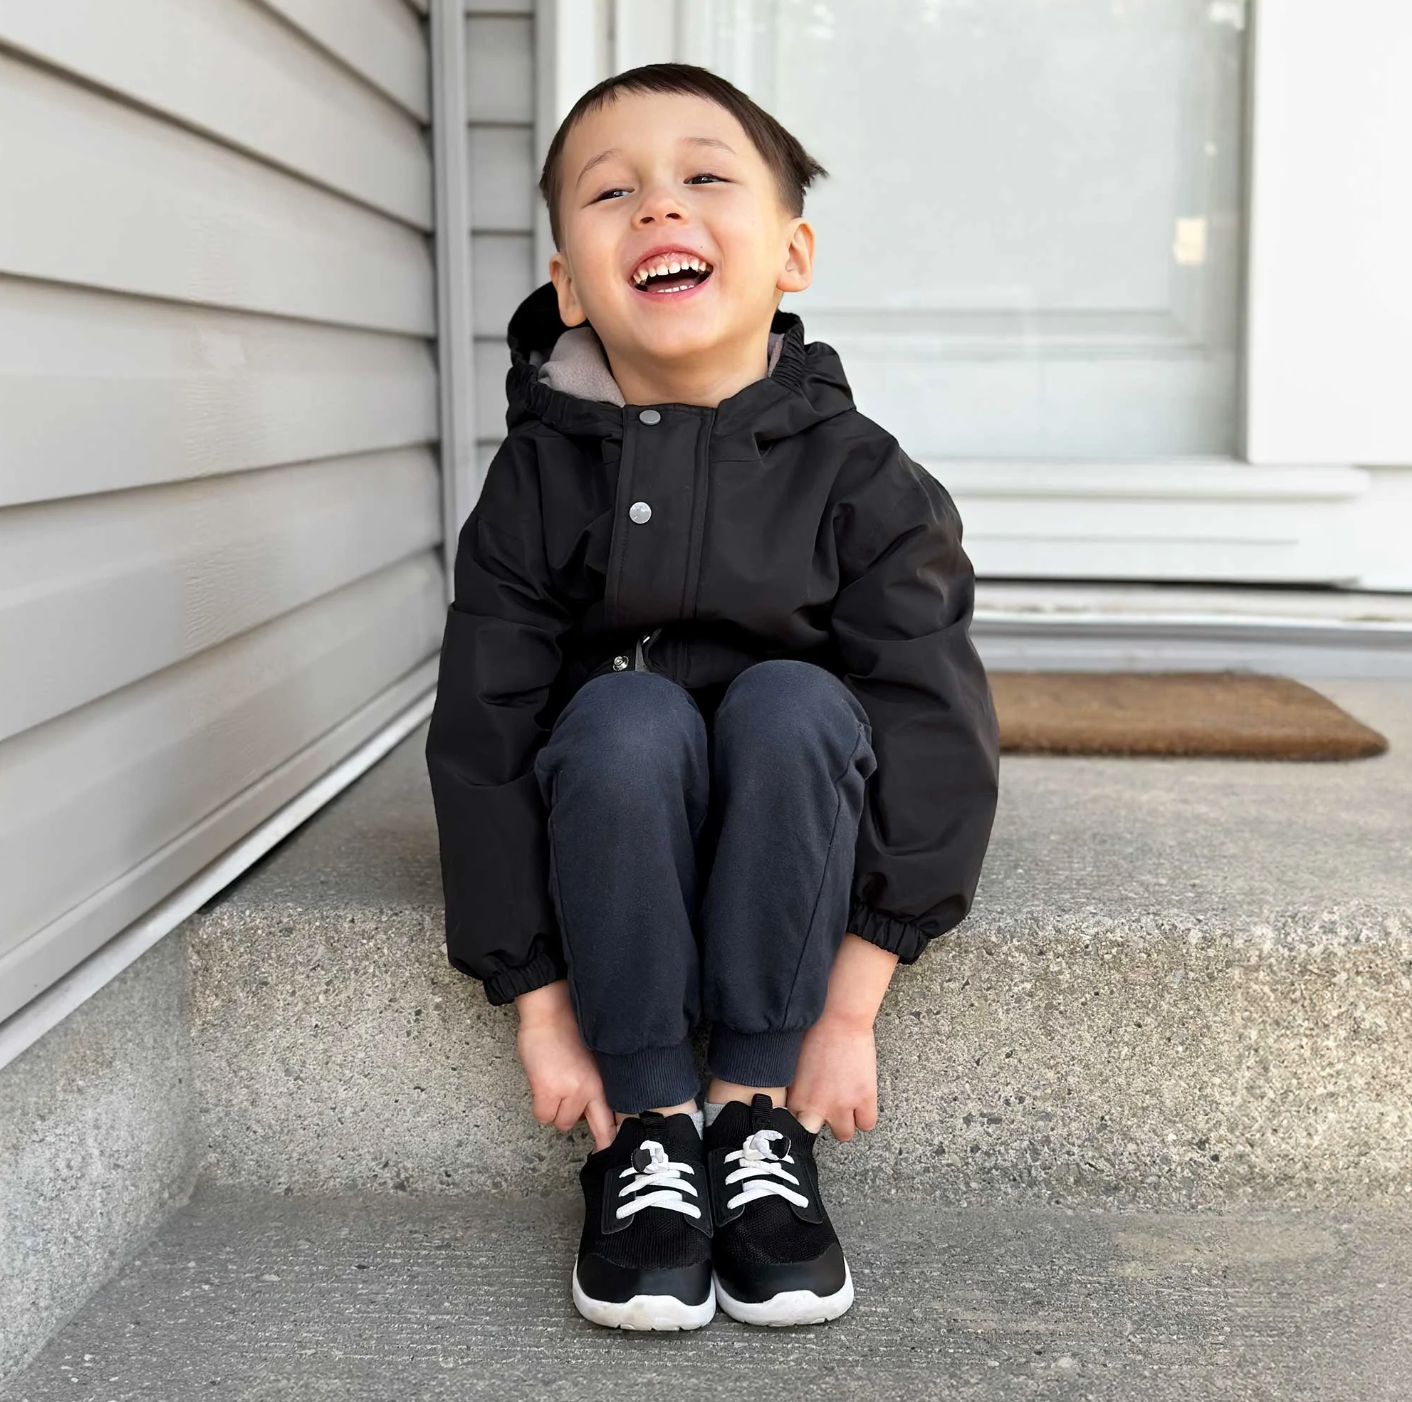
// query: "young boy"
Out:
[711,741]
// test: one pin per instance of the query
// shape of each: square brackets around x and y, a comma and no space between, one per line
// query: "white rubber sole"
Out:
[789,1306]
[661,1312]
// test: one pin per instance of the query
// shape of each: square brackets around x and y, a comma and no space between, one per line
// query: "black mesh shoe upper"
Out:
[652,1237]
[771,1230]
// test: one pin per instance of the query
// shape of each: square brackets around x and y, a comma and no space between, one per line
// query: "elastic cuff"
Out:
[508,984]
[753,1058]
[642,1080]
[904,938]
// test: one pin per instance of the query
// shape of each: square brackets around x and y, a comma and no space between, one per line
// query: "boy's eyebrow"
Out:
[617,151]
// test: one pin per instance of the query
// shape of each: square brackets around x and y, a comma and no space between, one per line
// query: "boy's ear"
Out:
[798,270]
[571,312]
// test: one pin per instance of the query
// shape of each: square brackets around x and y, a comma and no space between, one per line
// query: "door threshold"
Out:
[1308,633]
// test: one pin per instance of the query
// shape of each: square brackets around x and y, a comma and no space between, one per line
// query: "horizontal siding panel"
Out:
[52,951]
[104,196]
[381,39]
[499,7]
[503,180]
[93,794]
[492,362]
[499,69]
[233,69]
[101,591]
[502,276]
[101,392]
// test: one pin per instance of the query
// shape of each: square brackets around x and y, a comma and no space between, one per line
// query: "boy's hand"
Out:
[563,1075]
[836,1078]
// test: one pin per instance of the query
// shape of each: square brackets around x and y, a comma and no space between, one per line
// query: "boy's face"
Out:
[681,172]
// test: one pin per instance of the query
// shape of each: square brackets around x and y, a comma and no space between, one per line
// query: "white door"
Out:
[1029,239]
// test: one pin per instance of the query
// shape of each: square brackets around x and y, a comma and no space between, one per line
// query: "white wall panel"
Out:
[502,277]
[219,495]
[1329,321]
[100,591]
[101,392]
[503,178]
[492,360]
[235,70]
[500,68]
[381,39]
[501,100]
[96,193]
[90,795]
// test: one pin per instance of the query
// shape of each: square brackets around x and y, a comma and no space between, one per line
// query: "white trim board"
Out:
[455,351]
[1191,520]
[1300,633]
[26,1026]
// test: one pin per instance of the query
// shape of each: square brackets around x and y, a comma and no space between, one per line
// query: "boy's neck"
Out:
[705,380]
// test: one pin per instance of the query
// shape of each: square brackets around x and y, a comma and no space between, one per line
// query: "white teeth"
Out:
[674,264]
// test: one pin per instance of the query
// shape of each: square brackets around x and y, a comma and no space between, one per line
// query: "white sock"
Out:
[713,1108]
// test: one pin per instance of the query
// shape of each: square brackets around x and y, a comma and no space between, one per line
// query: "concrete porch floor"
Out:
[365,1297]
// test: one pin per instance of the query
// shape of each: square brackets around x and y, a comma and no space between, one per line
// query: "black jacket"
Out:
[783,524]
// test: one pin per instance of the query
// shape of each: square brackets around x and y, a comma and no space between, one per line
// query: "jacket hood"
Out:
[805,384]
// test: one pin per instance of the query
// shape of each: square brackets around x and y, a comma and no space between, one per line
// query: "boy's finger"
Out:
[570,1112]
[600,1121]
[841,1126]
[545,1108]
[866,1114]
[811,1119]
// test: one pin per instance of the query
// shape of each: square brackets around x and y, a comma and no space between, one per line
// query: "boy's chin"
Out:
[679,341]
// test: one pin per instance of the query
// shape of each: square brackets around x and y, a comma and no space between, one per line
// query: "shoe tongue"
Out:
[762,1112]
[731,1125]
[673,1132]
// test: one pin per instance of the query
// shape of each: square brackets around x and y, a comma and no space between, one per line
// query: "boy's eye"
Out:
[619,190]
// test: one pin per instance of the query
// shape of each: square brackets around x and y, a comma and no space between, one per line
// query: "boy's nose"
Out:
[660,206]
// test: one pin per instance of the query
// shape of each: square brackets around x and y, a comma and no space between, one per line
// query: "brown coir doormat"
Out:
[1236,715]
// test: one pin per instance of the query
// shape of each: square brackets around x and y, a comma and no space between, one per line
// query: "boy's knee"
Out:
[785,702]
[624,731]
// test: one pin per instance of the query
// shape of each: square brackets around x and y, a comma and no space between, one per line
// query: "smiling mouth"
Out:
[664,282]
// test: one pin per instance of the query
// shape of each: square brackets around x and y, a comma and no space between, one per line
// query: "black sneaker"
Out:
[777,1257]
[644,1258]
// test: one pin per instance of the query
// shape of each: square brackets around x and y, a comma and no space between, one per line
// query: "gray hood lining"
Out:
[578,366]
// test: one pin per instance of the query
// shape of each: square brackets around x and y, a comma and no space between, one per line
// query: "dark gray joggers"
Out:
[758,800]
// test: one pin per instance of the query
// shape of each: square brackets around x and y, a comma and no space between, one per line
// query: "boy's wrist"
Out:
[859,979]
[547,1003]
[848,1018]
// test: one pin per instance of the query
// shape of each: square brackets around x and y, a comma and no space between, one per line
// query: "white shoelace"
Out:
[662,1177]
[764,1168]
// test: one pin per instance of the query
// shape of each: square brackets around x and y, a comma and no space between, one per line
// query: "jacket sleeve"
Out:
[499,658]
[901,621]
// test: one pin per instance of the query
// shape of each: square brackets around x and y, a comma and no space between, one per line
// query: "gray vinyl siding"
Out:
[500,105]
[219,489]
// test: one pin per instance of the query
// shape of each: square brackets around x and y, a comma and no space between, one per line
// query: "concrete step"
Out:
[246,1296]
[1183,983]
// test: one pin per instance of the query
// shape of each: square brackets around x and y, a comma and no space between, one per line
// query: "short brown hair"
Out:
[794,168]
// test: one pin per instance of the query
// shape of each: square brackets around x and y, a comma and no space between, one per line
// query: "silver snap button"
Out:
[619,662]
[640,512]
[650,416]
